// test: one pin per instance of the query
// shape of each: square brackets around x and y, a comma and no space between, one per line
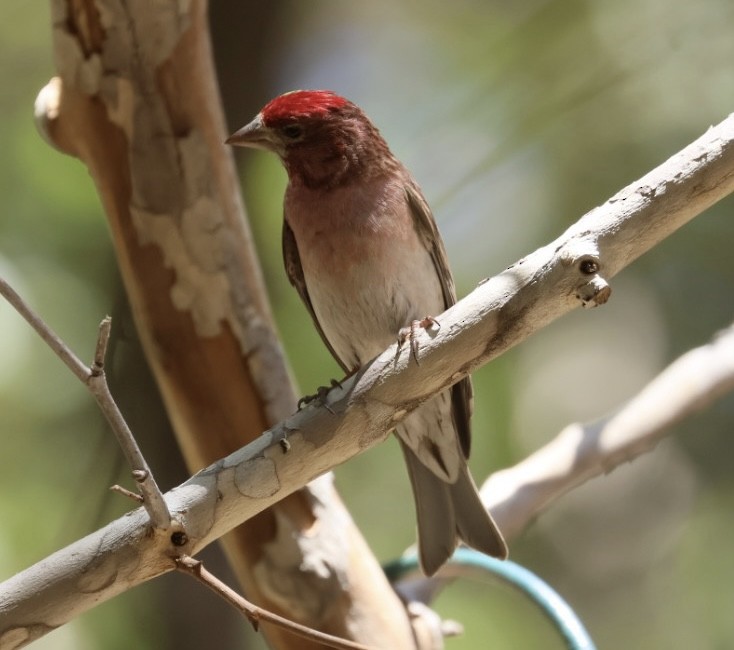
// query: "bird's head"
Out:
[323,139]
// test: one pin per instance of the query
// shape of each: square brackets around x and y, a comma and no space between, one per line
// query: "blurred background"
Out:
[516,118]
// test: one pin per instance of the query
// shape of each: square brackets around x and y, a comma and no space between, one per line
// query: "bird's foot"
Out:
[319,396]
[410,332]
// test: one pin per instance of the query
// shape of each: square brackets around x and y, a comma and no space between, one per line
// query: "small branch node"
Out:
[189,563]
[451,628]
[100,351]
[140,475]
[47,108]
[180,538]
[595,292]
[254,621]
[589,266]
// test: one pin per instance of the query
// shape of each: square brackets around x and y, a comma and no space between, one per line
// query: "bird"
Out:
[363,251]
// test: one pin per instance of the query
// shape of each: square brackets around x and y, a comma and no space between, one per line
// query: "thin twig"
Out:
[153,500]
[127,493]
[103,340]
[187,564]
[60,348]
[95,380]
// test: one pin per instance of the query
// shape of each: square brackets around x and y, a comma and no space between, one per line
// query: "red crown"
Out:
[301,104]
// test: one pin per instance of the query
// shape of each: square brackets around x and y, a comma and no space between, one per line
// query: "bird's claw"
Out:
[319,396]
[409,333]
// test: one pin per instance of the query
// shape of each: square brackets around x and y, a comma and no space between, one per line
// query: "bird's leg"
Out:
[409,333]
[318,396]
[322,391]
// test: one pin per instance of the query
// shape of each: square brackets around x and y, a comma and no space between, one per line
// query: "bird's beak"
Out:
[255,135]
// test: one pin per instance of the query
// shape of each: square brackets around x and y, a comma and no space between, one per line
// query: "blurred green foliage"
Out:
[516,118]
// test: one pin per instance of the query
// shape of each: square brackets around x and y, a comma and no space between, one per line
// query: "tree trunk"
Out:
[137,101]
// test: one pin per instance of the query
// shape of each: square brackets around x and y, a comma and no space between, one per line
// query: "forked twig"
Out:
[95,380]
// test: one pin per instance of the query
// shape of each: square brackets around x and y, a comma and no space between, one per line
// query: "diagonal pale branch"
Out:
[498,314]
[517,495]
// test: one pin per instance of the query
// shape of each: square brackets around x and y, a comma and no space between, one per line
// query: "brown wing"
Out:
[294,271]
[461,393]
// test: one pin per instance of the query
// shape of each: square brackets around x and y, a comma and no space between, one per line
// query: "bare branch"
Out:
[103,340]
[582,451]
[498,314]
[127,493]
[62,351]
[255,614]
[95,380]
[97,384]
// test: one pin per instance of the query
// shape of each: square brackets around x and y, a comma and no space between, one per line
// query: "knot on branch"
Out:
[596,290]
[46,111]
[592,289]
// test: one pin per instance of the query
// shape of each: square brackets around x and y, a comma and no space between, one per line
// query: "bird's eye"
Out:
[292,131]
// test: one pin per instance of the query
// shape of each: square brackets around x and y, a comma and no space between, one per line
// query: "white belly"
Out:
[362,305]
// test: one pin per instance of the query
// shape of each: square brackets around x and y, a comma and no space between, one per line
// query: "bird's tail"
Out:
[448,513]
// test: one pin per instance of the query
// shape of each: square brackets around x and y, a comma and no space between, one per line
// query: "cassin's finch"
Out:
[364,253]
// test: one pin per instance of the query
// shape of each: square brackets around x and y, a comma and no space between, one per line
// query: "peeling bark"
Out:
[136,100]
